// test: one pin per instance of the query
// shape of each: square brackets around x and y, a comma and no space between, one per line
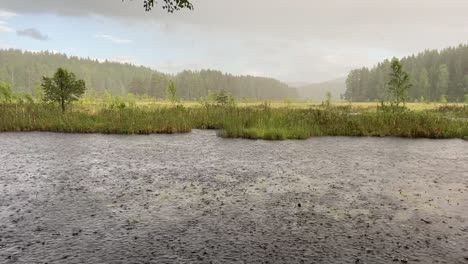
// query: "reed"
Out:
[252,122]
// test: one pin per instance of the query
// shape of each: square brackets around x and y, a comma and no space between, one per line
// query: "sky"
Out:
[300,41]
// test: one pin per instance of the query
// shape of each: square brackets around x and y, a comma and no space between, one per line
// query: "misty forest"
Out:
[266,139]
[23,71]
[435,76]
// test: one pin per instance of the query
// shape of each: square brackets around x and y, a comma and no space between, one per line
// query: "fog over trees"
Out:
[24,70]
[434,75]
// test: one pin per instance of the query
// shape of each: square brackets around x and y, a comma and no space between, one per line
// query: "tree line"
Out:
[434,76]
[23,71]
[193,85]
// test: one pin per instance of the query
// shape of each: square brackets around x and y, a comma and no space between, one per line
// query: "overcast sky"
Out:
[291,40]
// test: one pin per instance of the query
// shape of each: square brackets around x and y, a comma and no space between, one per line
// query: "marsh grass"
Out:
[456,111]
[302,124]
[116,121]
[261,121]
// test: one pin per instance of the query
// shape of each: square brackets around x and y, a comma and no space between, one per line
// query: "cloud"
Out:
[32,33]
[124,59]
[293,40]
[114,39]
[332,19]
[4,27]
[116,8]
[7,14]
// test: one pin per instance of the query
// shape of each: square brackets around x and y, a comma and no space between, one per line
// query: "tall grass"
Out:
[254,122]
[302,124]
[35,117]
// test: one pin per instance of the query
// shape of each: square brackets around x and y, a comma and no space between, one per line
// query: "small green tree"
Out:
[399,83]
[108,98]
[118,102]
[424,84]
[38,93]
[172,92]
[443,99]
[328,99]
[6,94]
[443,78]
[63,88]
[221,97]
[23,98]
[131,100]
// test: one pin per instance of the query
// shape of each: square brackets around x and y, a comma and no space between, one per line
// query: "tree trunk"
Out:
[63,105]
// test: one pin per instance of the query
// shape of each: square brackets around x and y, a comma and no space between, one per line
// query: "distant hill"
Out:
[316,91]
[24,70]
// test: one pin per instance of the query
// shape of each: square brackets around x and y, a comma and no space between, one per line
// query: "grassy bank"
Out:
[301,124]
[116,121]
[260,121]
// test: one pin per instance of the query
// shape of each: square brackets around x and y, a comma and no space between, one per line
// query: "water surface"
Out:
[73,198]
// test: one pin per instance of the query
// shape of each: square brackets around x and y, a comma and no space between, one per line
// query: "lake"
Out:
[198,198]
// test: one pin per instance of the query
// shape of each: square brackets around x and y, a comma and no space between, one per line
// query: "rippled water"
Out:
[67,198]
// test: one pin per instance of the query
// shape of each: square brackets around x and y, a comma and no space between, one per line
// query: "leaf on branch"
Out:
[170,5]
